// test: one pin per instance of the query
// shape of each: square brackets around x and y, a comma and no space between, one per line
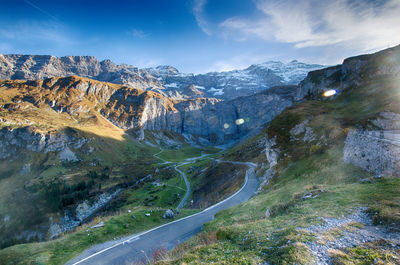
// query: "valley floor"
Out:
[138,248]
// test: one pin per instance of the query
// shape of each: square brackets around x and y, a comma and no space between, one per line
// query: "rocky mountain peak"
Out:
[164,79]
[165,70]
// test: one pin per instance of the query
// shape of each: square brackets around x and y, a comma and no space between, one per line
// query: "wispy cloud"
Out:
[40,9]
[137,33]
[360,24]
[35,31]
[44,36]
[240,61]
[198,11]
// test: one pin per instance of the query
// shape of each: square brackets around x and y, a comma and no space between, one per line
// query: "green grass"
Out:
[316,167]
[165,195]
[180,154]
[250,150]
[254,237]
[376,252]
[61,250]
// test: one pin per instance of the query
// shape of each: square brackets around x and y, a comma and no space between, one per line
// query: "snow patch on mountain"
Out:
[216,92]
[292,72]
[200,87]
[172,85]
[164,79]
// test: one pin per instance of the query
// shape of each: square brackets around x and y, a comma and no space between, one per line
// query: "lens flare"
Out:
[226,126]
[239,121]
[329,93]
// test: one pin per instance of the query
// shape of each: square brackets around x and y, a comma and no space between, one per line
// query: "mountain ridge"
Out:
[166,80]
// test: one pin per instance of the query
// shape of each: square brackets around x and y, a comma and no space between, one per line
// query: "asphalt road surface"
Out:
[140,247]
[187,183]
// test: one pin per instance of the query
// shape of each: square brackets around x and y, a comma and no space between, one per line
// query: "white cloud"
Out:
[137,33]
[36,33]
[361,24]
[198,11]
[222,66]
[241,28]
[241,61]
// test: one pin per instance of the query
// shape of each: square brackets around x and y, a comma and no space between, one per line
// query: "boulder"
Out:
[169,214]
[267,213]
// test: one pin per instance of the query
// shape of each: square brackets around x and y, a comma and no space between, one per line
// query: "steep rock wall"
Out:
[13,141]
[221,121]
[375,151]
[352,72]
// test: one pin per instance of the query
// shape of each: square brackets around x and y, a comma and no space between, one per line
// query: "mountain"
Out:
[165,80]
[232,84]
[62,138]
[131,108]
[73,148]
[329,170]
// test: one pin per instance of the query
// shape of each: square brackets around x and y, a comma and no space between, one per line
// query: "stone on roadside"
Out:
[168,214]
[267,213]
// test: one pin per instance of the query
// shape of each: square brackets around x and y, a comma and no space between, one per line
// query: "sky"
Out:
[200,35]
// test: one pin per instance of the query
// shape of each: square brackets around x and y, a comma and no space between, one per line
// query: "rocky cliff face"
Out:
[226,120]
[35,67]
[217,121]
[353,71]
[165,80]
[128,108]
[13,141]
[373,151]
[376,150]
[236,83]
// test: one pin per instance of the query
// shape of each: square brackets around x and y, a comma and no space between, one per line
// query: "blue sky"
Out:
[200,35]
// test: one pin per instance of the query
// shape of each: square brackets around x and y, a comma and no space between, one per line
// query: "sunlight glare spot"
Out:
[329,93]
[239,121]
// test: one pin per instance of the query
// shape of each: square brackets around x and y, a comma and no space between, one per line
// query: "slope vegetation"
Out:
[316,205]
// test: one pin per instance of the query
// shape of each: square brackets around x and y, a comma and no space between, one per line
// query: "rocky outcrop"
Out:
[128,109]
[13,141]
[271,153]
[83,211]
[169,214]
[272,156]
[303,130]
[353,71]
[375,151]
[67,155]
[387,121]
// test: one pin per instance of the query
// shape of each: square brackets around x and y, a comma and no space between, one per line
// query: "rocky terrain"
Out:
[232,84]
[129,108]
[329,172]
[75,144]
[166,80]
[353,72]
[60,123]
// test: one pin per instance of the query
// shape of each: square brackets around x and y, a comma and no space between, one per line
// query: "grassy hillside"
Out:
[37,187]
[314,199]
[61,250]
[110,159]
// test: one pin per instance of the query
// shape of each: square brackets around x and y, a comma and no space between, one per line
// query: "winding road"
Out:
[187,183]
[183,174]
[139,247]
